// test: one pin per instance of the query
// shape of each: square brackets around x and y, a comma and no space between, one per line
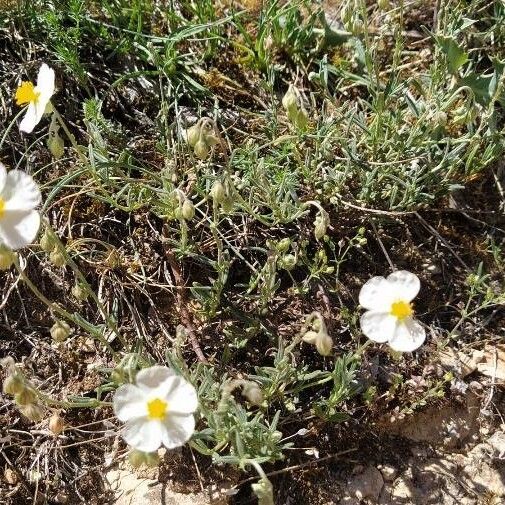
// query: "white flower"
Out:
[19,221]
[158,410]
[36,97]
[389,317]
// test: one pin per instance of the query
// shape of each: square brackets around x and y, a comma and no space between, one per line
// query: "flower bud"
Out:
[211,139]
[290,100]
[139,458]
[321,224]
[201,150]
[47,242]
[283,245]
[310,337]
[383,4]
[252,393]
[11,477]
[25,397]
[56,145]
[13,384]
[188,210]
[79,292]
[33,412]
[287,262]
[60,330]
[6,258]
[57,258]
[56,424]
[193,134]
[218,192]
[324,344]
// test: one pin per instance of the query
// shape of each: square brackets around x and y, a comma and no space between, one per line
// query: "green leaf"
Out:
[456,55]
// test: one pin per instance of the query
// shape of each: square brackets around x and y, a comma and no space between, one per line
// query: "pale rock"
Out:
[388,472]
[497,442]
[367,484]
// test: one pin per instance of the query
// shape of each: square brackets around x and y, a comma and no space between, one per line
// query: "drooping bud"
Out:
[57,258]
[201,150]
[60,330]
[218,192]
[290,99]
[321,224]
[324,344]
[25,397]
[252,393]
[193,134]
[310,337]
[13,384]
[440,118]
[56,145]
[188,210]
[33,412]
[383,4]
[47,242]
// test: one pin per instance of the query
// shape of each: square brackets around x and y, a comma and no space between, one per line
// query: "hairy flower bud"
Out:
[47,242]
[188,210]
[283,245]
[218,192]
[201,150]
[33,412]
[25,397]
[310,337]
[252,393]
[324,344]
[60,330]
[383,4]
[290,99]
[13,384]
[57,258]
[193,134]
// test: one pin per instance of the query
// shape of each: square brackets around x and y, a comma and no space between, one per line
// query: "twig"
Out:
[183,303]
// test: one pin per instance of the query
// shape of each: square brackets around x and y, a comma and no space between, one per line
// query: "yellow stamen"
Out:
[157,409]
[401,309]
[26,93]
[2,207]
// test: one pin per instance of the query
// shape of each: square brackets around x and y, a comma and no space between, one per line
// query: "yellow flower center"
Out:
[401,309]
[2,207]
[26,93]
[157,409]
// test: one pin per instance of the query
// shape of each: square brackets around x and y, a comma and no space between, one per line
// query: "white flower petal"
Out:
[376,294]
[45,82]
[181,397]
[153,378]
[405,285]
[19,228]
[378,326]
[3,176]
[408,336]
[144,435]
[30,120]
[129,402]
[178,430]
[20,191]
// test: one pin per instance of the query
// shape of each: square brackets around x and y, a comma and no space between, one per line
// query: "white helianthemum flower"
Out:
[390,316]
[36,97]
[158,409]
[19,221]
